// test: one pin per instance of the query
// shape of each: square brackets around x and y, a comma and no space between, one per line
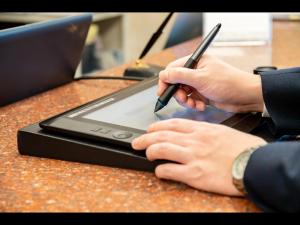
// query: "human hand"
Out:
[213,82]
[202,152]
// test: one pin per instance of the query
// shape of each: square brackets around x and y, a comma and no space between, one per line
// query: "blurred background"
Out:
[116,38]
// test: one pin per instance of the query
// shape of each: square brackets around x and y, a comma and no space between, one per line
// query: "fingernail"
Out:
[161,72]
[149,128]
[133,143]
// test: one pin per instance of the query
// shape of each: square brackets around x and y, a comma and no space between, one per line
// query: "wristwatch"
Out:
[239,166]
[262,69]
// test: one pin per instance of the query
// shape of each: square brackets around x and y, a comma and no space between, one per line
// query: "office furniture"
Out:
[121,36]
[39,184]
[186,26]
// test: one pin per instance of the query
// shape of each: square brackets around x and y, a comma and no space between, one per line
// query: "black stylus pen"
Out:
[163,100]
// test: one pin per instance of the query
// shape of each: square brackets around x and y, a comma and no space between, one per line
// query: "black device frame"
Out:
[72,122]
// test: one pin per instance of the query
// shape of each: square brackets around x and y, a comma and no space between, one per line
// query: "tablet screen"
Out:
[137,111]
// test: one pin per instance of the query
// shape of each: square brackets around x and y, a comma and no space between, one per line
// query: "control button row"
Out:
[122,135]
[116,134]
[102,130]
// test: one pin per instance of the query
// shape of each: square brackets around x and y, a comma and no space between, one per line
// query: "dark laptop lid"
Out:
[40,56]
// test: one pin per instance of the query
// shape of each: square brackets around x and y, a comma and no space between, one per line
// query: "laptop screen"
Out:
[40,56]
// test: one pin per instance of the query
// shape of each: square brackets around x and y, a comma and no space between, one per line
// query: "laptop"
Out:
[40,56]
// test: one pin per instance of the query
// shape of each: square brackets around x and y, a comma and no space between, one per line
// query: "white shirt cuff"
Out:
[265,112]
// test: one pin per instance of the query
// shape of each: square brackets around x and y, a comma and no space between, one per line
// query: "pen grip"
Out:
[168,93]
[172,88]
[191,63]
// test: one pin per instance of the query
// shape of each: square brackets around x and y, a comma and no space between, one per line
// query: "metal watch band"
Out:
[241,162]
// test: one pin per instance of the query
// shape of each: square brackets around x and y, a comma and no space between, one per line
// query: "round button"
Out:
[122,135]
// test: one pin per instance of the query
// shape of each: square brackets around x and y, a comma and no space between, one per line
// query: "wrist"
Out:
[256,91]
[259,92]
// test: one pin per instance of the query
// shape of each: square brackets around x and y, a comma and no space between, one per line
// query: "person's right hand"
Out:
[213,82]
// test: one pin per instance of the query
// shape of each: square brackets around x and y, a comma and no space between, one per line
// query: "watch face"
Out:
[240,165]
[238,170]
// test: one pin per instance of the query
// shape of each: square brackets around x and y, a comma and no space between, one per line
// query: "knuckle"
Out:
[202,126]
[162,136]
[156,151]
[179,71]
[152,127]
[151,152]
[196,169]
[175,122]
[163,172]
[158,172]
[206,131]
[212,132]
[162,146]
[164,75]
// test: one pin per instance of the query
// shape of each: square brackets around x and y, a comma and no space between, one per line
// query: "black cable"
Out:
[155,36]
[109,78]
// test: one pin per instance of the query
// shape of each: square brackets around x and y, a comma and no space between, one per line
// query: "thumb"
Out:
[180,75]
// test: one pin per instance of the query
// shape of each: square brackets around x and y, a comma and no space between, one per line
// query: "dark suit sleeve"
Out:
[281,93]
[272,177]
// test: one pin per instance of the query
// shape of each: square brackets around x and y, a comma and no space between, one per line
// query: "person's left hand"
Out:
[202,152]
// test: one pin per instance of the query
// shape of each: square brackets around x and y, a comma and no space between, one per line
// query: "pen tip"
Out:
[158,106]
[219,25]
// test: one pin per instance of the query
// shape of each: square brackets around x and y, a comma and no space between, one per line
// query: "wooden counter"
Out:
[39,184]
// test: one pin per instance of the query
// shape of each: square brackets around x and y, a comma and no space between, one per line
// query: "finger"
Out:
[179,62]
[172,171]
[162,86]
[191,103]
[187,89]
[168,151]
[181,103]
[177,125]
[189,92]
[200,100]
[181,96]
[180,75]
[197,96]
[200,105]
[181,93]
[144,141]
[226,107]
